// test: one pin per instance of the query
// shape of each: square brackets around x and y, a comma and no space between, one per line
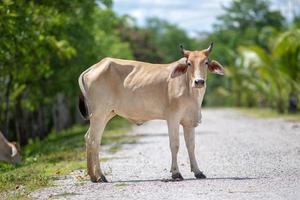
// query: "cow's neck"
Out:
[198,95]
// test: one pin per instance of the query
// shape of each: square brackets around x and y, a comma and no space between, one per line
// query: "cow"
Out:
[9,151]
[140,92]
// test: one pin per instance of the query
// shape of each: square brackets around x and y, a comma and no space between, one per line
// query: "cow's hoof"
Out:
[177,177]
[200,175]
[101,179]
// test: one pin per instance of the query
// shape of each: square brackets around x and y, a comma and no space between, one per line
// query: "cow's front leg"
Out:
[173,128]
[189,136]
[93,140]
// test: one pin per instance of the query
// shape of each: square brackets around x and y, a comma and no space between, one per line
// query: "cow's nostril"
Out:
[199,82]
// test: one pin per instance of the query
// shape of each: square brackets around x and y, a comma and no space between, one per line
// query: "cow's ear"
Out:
[14,150]
[17,145]
[179,68]
[215,67]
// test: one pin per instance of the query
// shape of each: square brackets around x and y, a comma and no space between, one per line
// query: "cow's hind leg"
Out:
[93,140]
[173,128]
[189,136]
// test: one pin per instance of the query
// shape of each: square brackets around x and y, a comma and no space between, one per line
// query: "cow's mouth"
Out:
[199,86]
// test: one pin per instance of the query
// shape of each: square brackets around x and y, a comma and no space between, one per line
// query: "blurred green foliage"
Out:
[57,155]
[260,51]
[45,45]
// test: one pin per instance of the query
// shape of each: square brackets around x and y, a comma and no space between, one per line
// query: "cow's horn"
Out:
[184,52]
[209,49]
[181,48]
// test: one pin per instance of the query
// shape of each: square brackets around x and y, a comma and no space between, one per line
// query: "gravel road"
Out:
[243,158]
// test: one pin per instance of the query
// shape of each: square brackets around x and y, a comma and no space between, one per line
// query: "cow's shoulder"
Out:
[100,66]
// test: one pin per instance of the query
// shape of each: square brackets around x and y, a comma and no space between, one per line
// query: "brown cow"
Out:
[142,91]
[9,151]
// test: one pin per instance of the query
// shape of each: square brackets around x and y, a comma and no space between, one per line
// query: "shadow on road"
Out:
[162,134]
[189,179]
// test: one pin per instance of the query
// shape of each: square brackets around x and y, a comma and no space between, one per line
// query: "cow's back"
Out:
[135,90]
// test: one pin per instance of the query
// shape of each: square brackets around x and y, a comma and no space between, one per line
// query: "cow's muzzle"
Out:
[199,83]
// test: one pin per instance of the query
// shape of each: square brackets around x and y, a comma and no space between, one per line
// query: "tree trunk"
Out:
[61,113]
[7,105]
[41,124]
[19,123]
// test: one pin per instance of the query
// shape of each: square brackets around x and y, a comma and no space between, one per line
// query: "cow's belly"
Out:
[141,107]
[140,116]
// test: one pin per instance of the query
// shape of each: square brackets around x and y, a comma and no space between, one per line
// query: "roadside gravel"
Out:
[243,158]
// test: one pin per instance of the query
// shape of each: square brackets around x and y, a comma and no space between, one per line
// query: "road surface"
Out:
[243,158]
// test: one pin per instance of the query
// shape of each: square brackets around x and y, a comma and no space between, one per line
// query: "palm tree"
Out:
[287,47]
[277,73]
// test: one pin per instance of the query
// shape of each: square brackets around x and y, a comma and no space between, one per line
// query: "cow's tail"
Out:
[82,101]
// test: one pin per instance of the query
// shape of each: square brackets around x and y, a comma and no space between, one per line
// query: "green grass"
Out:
[268,113]
[58,154]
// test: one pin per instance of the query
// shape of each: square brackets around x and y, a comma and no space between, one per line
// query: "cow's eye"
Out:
[189,63]
[206,62]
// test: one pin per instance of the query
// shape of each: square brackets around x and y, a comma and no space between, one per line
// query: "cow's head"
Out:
[195,64]
[9,151]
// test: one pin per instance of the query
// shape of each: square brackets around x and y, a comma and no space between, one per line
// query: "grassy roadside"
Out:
[59,154]
[268,113]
